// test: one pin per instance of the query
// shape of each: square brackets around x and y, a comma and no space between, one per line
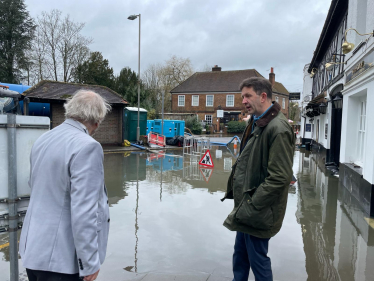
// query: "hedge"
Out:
[236,126]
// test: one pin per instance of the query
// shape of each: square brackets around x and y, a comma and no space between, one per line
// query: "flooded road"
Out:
[166,217]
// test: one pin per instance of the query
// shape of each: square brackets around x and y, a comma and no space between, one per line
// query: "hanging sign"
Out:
[207,173]
[294,96]
[207,160]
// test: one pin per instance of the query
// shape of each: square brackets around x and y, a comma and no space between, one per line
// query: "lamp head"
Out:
[347,47]
[132,17]
[312,73]
[329,66]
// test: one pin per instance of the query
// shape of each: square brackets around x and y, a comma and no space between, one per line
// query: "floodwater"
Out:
[166,216]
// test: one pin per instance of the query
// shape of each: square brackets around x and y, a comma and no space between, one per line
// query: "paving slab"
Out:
[190,276]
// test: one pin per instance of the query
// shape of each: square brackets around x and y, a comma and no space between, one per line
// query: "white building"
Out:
[342,91]
[356,153]
[305,98]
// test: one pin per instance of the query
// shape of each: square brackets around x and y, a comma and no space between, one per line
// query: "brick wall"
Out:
[110,130]
[219,99]
[280,98]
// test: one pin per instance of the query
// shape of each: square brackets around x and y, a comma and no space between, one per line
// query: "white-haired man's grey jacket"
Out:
[67,222]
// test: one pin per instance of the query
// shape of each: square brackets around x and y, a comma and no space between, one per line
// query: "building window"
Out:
[230,100]
[209,100]
[208,119]
[277,99]
[180,100]
[284,103]
[361,132]
[195,100]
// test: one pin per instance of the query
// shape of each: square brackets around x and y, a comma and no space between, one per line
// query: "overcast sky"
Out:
[234,34]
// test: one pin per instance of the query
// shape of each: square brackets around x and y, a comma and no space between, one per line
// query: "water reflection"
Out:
[337,238]
[173,218]
[166,215]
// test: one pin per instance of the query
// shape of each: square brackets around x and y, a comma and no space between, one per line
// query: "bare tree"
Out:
[58,47]
[72,47]
[163,78]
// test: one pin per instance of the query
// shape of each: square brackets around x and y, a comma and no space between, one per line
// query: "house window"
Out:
[195,100]
[180,100]
[230,100]
[284,103]
[277,99]
[208,119]
[361,132]
[209,100]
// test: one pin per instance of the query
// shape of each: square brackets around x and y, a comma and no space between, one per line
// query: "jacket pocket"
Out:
[247,214]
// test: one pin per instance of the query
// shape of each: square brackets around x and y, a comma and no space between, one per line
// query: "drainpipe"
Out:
[304,126]
[12,196]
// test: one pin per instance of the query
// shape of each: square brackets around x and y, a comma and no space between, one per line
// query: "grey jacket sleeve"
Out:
[87,180]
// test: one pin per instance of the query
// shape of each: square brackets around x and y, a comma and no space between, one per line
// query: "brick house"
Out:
[205,92]
[56,93]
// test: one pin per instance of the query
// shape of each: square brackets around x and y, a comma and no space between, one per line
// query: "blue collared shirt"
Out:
[255,118]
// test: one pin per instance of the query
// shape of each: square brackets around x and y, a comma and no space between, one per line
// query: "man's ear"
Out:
[264,97]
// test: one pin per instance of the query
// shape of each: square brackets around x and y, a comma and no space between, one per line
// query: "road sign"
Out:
[207,160]
[294,96]
[207,173]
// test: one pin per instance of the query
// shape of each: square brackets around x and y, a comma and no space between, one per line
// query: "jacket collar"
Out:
[270,115]
[75,124]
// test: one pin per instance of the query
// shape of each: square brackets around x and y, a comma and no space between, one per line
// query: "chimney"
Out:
[272,77]
[216,68]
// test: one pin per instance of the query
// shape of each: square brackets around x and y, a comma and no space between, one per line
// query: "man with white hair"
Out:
[65,232]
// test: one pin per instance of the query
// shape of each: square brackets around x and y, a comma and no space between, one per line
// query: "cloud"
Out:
[238,34]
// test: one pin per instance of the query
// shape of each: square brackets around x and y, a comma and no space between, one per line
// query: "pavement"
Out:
[187,276]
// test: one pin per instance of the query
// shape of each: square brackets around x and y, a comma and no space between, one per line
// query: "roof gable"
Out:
[221,81]
[215,81]
[60,91]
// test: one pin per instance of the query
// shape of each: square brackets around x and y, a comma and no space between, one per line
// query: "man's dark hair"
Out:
[259,85]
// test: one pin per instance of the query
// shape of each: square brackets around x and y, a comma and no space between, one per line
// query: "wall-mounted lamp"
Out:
[323,108]
[338,102]
[329,66]
[313,72]
[347,47]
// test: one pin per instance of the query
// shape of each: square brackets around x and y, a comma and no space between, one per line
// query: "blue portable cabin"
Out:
[169,163]
[150,126]
[35,108]
[172,128]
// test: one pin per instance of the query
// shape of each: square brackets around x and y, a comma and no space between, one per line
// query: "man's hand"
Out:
[91,277]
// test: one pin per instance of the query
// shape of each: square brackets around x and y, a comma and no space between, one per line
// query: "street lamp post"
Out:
[132,17]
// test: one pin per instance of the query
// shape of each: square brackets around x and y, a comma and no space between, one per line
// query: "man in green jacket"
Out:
[259,181]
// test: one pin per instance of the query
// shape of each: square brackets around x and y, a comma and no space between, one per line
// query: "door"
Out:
[336,129]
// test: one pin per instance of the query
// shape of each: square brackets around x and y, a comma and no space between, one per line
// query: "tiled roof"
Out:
[279,88]
[60,91]
[220,81]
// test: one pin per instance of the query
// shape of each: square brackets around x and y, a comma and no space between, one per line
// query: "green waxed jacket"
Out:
[261,176]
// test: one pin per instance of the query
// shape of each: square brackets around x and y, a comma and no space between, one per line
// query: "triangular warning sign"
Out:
[207,160]
[207,173]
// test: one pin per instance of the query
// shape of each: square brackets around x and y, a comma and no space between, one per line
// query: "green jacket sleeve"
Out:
[279,171]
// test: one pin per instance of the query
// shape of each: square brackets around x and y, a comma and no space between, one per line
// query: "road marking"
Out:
[4,246]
